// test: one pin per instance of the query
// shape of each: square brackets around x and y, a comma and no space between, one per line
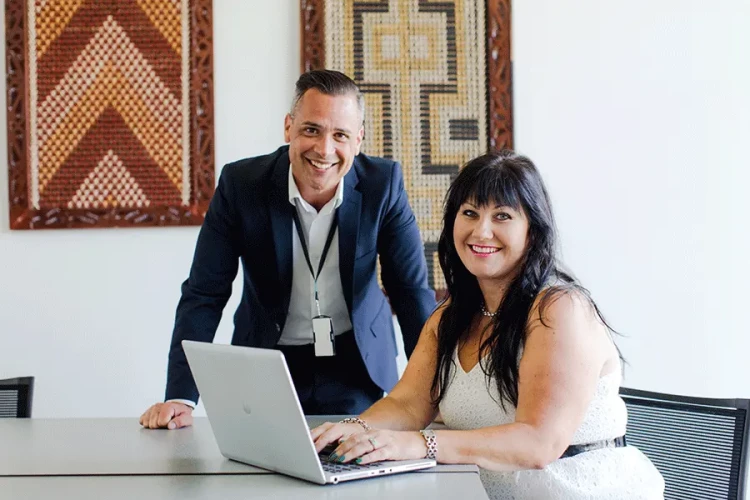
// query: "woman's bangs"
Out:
[491,187]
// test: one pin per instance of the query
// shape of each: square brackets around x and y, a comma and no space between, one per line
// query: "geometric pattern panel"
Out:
[109,185]
[428,70]
[117,95]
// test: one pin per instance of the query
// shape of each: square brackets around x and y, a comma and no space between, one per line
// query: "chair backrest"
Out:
[15,397]
[699,445]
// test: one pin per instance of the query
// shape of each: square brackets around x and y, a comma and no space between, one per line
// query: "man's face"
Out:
[324,136]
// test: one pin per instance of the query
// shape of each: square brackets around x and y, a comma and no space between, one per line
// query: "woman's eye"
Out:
[502,216]
[469,213]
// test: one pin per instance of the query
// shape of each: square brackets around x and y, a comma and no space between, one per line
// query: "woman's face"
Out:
[490,240]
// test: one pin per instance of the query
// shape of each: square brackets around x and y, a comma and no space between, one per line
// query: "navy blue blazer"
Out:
[250,219]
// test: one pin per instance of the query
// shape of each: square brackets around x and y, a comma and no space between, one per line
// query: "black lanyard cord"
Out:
[329,239]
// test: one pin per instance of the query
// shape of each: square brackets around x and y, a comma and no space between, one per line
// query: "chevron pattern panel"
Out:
[116,101]
[436,79]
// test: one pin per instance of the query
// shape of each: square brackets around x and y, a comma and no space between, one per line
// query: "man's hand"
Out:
[169,415]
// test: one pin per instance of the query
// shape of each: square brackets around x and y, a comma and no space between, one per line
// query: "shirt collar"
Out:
[295,194]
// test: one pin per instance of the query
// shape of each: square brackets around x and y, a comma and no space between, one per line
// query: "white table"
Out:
[463,486]
[81,459]
[61,447]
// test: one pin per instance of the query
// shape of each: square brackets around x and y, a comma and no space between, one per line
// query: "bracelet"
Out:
[431,441]
[356,420]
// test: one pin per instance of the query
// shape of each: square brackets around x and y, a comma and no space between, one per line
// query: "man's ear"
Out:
[288,128]
[360,138]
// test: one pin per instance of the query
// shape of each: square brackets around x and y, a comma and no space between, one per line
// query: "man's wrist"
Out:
[186,402]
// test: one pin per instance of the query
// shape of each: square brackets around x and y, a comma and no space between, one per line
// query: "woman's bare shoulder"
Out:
[557,304]
[434,320]
[570,313]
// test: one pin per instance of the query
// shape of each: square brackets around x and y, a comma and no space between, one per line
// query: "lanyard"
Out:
[301,235]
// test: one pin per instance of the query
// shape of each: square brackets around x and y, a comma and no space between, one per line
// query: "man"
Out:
[308,222]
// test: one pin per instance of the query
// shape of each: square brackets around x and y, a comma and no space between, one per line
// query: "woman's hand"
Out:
[378,445]
[329,432]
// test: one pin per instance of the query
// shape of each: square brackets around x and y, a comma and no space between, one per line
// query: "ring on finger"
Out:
[373,442]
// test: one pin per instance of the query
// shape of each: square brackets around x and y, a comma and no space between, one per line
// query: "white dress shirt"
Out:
[315,227]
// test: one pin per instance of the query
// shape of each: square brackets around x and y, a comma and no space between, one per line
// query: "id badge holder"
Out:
[323,335]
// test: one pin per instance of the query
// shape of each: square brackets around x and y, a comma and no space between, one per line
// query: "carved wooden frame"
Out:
[23,216]
[499,65]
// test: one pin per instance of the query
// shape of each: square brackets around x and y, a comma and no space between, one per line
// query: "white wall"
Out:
[637,114]
[90,312]
[634,114]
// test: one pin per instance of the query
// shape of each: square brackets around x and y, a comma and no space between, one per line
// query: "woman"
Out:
[518,360]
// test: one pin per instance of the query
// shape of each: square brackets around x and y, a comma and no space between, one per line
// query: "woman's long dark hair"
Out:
[508,179]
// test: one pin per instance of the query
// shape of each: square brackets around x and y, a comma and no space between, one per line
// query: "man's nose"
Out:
[325,146]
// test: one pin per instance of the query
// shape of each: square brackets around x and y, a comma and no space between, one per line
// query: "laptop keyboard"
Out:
[335,467]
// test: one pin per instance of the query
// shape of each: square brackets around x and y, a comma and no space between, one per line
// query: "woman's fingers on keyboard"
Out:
[317,431]
[320,435]
[333,433]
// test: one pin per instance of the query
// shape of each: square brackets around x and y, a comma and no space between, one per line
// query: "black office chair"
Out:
[15,397]
[699,445]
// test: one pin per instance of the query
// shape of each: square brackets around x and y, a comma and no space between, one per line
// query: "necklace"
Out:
[487,313]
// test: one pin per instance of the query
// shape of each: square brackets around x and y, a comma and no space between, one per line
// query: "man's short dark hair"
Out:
[328,82]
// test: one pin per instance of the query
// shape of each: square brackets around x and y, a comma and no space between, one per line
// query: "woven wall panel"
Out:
[110,112]
[436,78]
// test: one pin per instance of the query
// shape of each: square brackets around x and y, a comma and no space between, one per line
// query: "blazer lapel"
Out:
[349,213]
[281,224]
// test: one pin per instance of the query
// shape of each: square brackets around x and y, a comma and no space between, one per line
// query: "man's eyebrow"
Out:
[318,125]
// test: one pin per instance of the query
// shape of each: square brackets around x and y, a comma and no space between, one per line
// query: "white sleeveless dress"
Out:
[603,474]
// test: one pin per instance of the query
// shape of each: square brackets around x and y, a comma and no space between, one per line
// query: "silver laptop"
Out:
[257,419]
